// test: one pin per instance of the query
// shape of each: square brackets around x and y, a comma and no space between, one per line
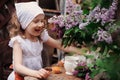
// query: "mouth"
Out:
[39,30]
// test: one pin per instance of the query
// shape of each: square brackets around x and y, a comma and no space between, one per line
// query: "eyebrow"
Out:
[35,20]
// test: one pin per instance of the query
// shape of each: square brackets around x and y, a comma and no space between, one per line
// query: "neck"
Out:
[31,37]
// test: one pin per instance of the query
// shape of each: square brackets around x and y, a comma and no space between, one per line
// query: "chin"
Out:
[37,35]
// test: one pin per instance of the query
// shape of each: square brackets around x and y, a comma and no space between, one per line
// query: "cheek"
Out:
[30,30]
[34,30]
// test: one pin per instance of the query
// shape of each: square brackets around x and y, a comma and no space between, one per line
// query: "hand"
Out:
[42,73]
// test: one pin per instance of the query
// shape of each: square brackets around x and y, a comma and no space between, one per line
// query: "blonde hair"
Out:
[14,28]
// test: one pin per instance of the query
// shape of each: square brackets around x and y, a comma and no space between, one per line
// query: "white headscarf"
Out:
[26,12]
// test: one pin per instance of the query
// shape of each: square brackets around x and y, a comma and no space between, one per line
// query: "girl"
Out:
[27,44]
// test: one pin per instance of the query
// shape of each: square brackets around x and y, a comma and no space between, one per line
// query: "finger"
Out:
[45,74]
[39,76]
[44,71]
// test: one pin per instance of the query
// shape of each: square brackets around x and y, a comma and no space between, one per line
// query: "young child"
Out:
[27,44]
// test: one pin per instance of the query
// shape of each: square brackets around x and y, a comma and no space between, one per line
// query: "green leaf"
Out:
[90,66]
[94,3]
[80,75]
[105,51]
[69,31]
[89,56]
[65,41]
[106,3]
[79,67]
[99,62]
[76,30]
[94,72]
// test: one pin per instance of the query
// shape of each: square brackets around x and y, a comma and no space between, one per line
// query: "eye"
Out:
[35,21]
[42,21]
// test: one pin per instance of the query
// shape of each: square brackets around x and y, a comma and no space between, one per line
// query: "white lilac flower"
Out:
[53,19]
[82,58]
[82,25]
[90,61]
[94,55]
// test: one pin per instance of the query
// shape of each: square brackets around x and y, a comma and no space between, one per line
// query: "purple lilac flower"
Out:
[103,15]
[60,21]
[54,28]
[60,33]
[87,77]
[81,64]
[93,14]
[70,6]
[103,36]
[71,19]
[75,72]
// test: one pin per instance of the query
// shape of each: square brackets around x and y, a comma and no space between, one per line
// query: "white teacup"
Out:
[70,63]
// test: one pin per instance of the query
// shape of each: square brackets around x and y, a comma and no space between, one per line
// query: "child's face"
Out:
[36,26]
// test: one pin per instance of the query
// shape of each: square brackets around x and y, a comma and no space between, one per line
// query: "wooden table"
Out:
[60,76]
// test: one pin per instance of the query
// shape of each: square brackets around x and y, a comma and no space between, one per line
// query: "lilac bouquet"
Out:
[78,27]
[66,22]
[93,30]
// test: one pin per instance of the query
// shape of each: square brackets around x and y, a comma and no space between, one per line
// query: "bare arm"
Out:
[57,44]
[17,56]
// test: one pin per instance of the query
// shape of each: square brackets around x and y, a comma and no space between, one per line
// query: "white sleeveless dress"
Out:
[31,52]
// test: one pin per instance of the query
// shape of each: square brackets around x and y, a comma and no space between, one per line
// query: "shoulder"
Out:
[16,39]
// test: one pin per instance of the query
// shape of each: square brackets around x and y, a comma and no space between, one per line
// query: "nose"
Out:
[40,24]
